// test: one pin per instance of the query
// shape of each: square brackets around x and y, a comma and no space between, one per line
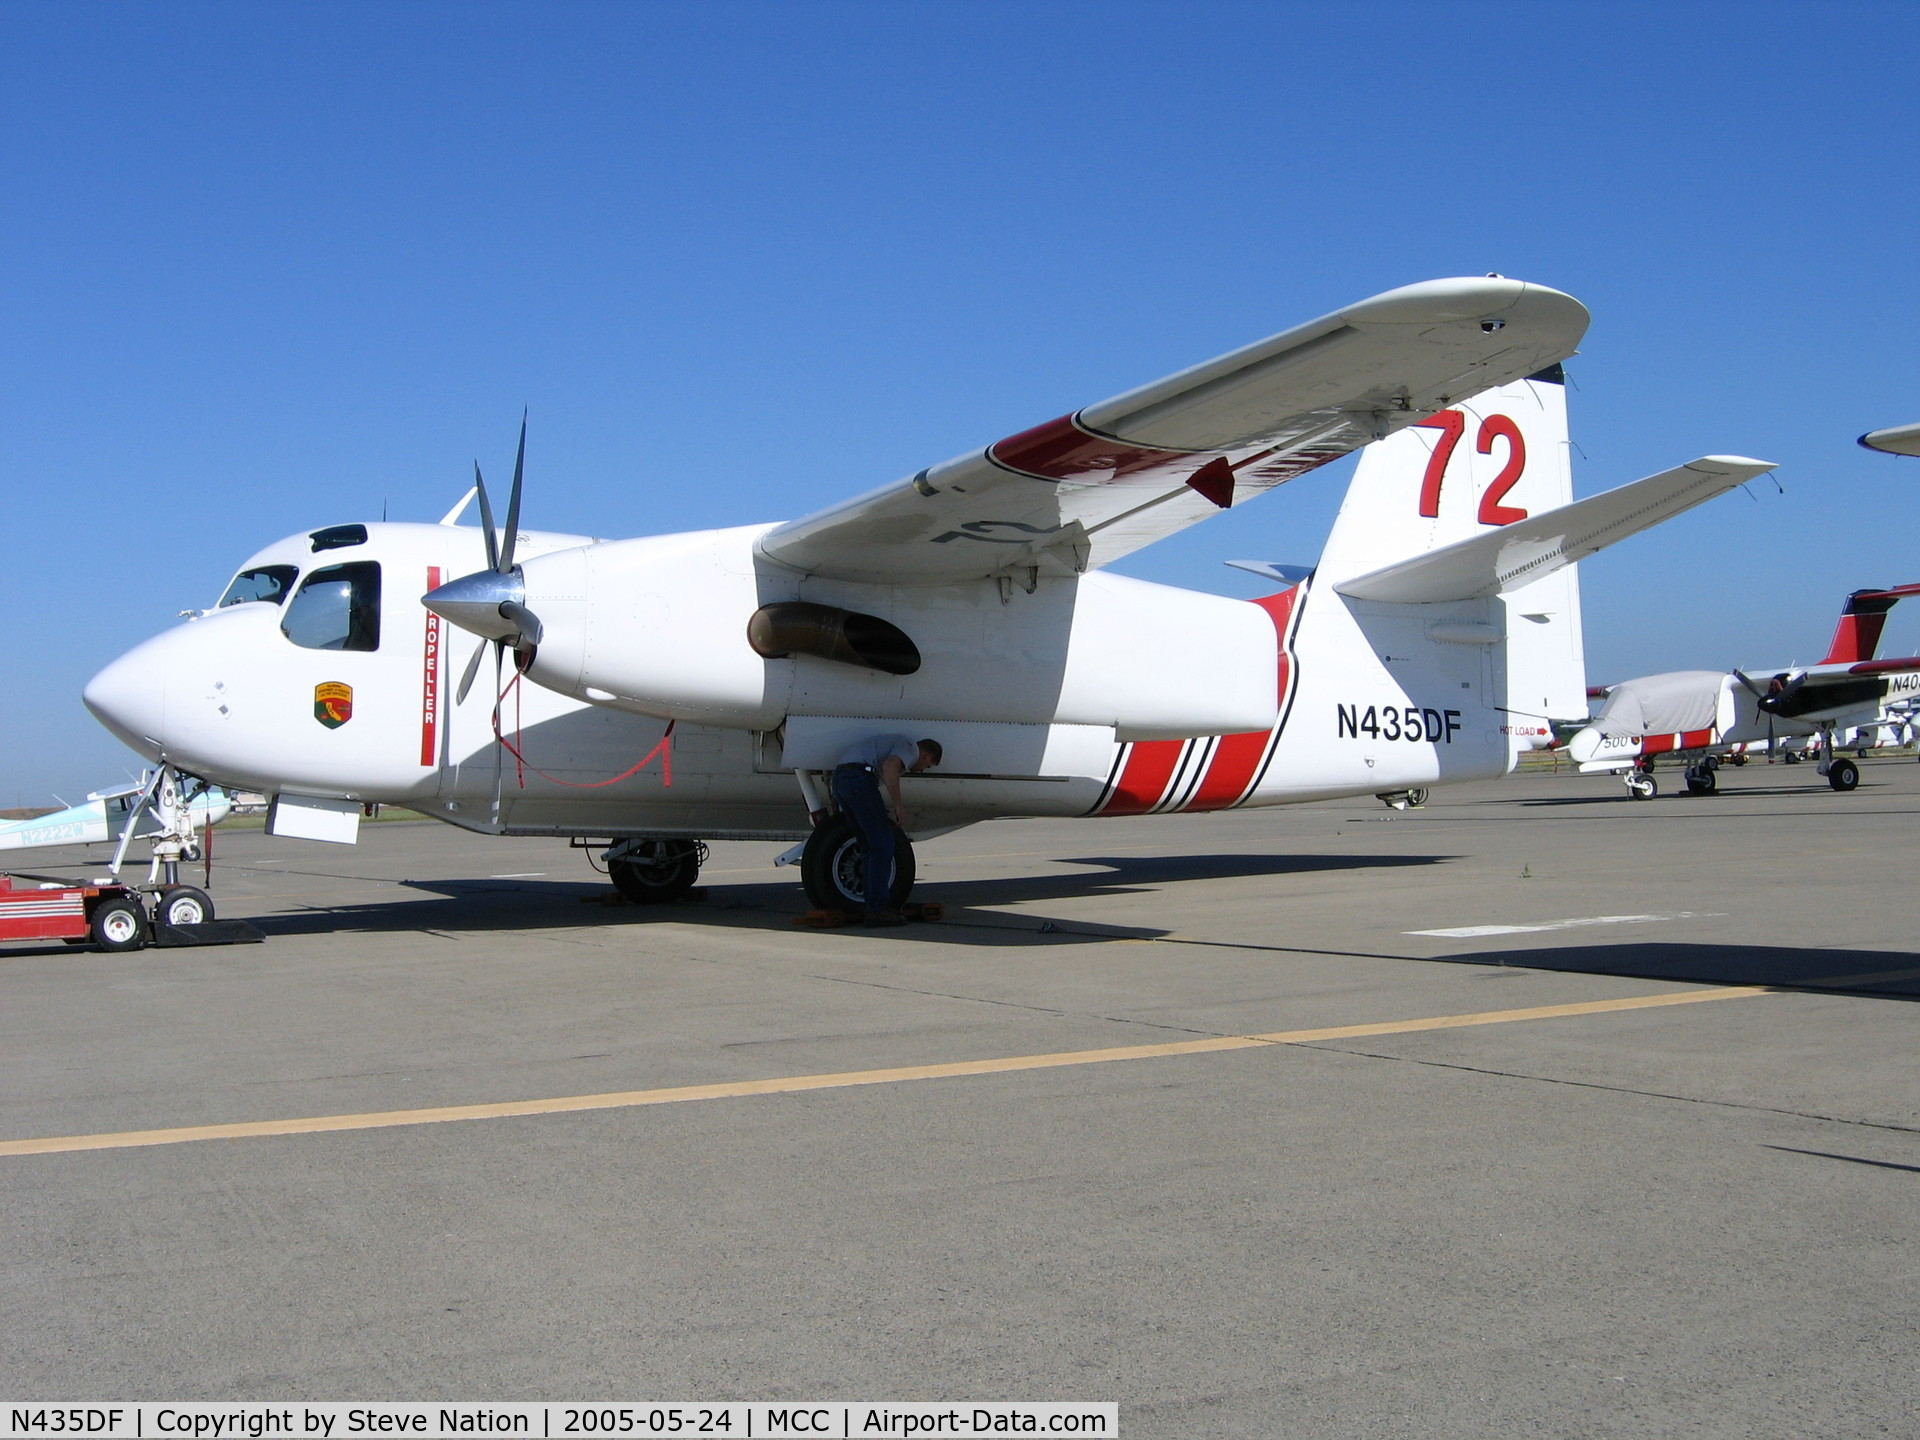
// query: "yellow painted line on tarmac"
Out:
[734,1089]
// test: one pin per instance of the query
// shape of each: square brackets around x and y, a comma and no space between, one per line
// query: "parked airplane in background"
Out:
[105,816]
[1702,716]
[968,603]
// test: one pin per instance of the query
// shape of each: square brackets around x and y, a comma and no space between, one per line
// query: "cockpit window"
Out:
[269,583]
[338,608]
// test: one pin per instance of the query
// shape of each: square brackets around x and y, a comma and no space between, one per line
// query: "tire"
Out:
[118,925]
[1642,786]
[833,866]
[1843,775]
[656,872]
[1790,757]
[1701,785]
[184,905]
[1416,797]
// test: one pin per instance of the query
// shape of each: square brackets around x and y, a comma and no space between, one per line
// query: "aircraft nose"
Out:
[129,697]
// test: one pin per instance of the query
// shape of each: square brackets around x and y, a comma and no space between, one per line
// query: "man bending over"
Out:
[880,760]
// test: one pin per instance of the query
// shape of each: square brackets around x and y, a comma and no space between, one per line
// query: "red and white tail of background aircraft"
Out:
[679,688]
[1701,716]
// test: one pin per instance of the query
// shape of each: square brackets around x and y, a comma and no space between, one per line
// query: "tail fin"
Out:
[1862,619]
[1495,458]
[1488,461]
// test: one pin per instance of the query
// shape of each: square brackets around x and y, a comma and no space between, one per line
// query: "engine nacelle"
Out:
[698,627]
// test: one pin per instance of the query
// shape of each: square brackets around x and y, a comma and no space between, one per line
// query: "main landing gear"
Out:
[833,866]
[1700,777]
[1404,799]
[1841,774]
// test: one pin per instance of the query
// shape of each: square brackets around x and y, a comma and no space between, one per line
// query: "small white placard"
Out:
[304,817]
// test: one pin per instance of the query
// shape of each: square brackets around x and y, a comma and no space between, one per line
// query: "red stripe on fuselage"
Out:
[1143,779]
[430,682]
[1663,744]
[1236,759]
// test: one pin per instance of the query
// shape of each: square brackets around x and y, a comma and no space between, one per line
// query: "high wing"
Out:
[1818,691]
[1496,561]
[1080,492]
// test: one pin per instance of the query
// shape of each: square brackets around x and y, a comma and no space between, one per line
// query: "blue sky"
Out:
[274,266]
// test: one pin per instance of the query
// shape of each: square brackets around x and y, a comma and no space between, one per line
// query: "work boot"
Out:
[876,918]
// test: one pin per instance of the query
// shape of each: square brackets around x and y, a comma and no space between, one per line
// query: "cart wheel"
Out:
[185,905]
[1843,775]
[119,925]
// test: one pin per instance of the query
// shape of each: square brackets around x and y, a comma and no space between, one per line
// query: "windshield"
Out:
[269,583]
[337,609]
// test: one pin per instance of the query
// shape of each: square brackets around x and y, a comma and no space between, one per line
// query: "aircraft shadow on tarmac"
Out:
[1890,974]
[460,905]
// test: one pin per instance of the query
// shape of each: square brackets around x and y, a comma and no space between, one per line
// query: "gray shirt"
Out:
[875,748]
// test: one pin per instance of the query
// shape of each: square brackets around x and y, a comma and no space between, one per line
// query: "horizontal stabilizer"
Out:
[1517,554]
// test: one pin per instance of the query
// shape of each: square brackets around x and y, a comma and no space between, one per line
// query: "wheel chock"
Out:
[826,919]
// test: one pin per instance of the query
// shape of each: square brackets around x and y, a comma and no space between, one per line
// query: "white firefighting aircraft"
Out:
[1701,716]
[1437,638]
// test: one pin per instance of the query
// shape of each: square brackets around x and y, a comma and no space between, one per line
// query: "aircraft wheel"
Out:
[119,925]
[1642,786]
[185,905]
[1417,797]
[1736,759]
[833,866]
[1843,775]
[1791,757]
[1702,784]
[655,872]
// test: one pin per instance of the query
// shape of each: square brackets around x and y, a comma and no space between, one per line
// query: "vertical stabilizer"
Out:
[1484,463]
[1862,619]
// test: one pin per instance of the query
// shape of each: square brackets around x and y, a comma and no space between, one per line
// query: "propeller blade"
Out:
[486,520]
[513,500]
[1755,689]
[466,679]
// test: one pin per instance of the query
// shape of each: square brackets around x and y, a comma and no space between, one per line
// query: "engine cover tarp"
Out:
[1669,704]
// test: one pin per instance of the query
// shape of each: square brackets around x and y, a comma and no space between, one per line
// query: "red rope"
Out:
[521,764]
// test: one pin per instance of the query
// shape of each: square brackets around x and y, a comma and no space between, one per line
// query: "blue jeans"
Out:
[858,791]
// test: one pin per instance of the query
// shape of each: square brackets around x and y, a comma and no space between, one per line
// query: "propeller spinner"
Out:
[491,603]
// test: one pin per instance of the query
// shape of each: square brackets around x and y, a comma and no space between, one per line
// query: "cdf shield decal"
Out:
[332,704]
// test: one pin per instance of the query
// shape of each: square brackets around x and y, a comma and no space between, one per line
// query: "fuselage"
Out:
[324,676]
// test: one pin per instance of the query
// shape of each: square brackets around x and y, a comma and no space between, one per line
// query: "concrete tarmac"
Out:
[1692,1218]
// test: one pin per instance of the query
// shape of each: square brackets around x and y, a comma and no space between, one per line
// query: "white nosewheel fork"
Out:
[166,799]
[1640,783]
